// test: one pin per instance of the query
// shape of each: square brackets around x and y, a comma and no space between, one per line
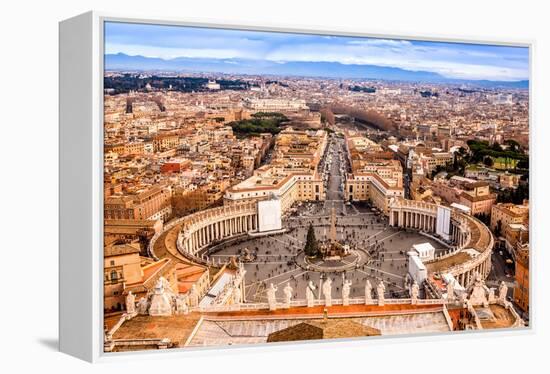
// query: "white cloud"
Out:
[450,63]
[381,42]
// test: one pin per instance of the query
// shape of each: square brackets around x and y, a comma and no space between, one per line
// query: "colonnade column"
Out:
[424,222]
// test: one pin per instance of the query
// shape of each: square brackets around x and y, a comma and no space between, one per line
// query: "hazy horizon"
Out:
[266,50]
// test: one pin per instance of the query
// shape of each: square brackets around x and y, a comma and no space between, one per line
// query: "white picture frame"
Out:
[81,176]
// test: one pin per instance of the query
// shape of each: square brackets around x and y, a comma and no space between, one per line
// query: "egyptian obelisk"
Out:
[332,233]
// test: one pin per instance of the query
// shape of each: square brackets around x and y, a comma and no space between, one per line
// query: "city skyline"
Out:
[262,51]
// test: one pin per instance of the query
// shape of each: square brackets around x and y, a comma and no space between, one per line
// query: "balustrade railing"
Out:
[316,302]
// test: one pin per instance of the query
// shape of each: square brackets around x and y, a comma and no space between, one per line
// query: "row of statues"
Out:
[479,294]
[162,301]
[326,290]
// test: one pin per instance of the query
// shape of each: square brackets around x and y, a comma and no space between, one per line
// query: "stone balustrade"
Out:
[318,302]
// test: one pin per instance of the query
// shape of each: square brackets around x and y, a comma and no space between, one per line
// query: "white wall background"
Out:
[29,145]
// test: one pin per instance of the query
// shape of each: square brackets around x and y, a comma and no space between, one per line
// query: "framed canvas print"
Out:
[231,185]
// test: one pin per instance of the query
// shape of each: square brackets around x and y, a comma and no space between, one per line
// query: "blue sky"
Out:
[451,60]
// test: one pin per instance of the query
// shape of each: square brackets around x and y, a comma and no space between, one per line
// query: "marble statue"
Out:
[142,306]
[237,295]
[502,291]
[181,304]
[346,291]
[161,299]
[491,297]
[380,289]
[233,262]
[451,290]
[463,298]
[327,291]
[166,285]
[368,292]
[271,297]
[310,296]
[478,292]
[193,296]
[130,303]
[288,294]
[414,292]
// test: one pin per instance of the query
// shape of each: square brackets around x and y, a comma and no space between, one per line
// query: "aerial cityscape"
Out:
[268,187]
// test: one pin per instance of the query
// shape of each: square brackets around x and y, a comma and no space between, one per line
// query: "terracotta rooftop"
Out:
[187,275]
[151,273]
[120,249]
[176,328]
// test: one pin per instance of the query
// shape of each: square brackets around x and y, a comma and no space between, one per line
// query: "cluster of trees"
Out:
[467,91]
[515,196]
[456,167]
[261,122]
[362,89]
[274,115]
[481,151]
[429,94]
[369,117]
[484,217]
[498,228]
[282,84]
[488,161]
[133,82]
[449,168]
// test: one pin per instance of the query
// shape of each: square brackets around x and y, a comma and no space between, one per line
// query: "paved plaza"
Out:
[274,256]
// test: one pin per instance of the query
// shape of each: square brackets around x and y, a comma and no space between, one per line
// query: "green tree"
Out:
[488,161]
[514,145]
[498,228]
[312,247]
[496,147]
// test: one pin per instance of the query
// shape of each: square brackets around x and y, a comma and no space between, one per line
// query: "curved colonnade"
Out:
[472,240]
[201,229]
[189,235]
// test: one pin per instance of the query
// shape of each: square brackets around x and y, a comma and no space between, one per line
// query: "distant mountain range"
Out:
[121,61]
